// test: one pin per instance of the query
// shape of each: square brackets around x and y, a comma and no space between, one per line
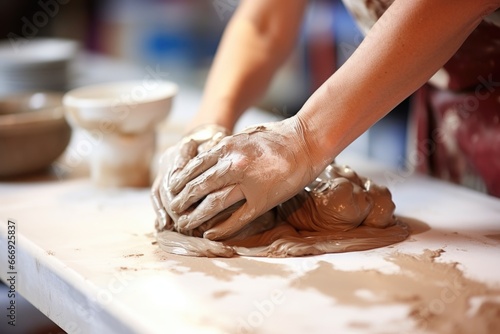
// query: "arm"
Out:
[257,40]
[406,46]
[266,165]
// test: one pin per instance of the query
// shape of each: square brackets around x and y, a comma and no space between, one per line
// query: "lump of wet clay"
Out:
[338,212]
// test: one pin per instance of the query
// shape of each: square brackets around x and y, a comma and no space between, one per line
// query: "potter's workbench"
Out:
[87,258]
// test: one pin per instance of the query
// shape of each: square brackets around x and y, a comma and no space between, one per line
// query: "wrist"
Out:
[205,132]
[318,153]
[220,111]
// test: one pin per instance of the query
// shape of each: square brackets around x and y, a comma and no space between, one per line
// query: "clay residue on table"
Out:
[493,236]
[133,255]
[438,294]
[221,293]
[225,269]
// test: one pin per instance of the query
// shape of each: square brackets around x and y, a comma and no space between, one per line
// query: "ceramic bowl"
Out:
[33,132]
[128,107]
[122,118]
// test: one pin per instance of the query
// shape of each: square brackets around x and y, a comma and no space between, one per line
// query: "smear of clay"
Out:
[224,269]
[438,294]
[221,293]
[133,255]
[339,212]
[493,236]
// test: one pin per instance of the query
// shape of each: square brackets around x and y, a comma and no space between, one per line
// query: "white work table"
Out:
[86,257]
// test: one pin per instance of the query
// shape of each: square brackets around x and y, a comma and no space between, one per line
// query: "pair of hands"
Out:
[225,182]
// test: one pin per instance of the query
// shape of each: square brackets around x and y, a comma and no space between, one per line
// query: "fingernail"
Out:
[161,218]
[162,222]
[183,221]
[174,205]
[159,224]
[212,234]
[209,235]
[175,189]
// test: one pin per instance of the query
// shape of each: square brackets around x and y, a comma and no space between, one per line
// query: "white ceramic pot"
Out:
[123,115]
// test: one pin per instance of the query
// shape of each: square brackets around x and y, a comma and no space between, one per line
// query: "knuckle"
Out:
[214,202]
[194,186]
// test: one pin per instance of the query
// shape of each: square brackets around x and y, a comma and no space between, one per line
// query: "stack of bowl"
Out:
[36,64]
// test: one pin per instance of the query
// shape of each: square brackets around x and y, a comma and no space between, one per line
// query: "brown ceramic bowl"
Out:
[33,132]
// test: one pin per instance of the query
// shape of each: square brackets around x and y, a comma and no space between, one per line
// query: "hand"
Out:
[172,161]
[263,165]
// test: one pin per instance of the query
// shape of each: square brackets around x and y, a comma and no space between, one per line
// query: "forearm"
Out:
[258,38]
[408,44]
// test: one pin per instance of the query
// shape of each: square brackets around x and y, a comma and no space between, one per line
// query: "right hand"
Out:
[263,166]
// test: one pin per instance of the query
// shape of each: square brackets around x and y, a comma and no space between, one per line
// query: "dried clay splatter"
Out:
[439,296]
[222,269]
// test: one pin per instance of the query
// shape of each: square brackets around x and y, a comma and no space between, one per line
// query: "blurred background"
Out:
[119,39]
[181,38]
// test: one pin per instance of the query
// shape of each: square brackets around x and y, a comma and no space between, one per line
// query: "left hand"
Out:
[172,162]
[264,165]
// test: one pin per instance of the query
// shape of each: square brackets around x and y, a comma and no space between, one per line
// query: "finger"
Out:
[211,143]
[192,169]
[177,243]
[211,206]
[220,217]
[157,204]
[214,179]
[166,198]
[238,220]
[187,151]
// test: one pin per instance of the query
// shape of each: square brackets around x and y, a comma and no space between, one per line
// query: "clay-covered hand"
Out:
[263,165]
[172,161]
